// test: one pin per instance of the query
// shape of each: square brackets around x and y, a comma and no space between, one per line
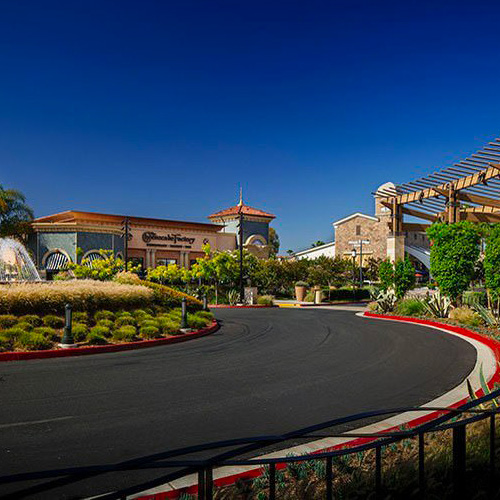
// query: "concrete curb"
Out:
[99,349]
[488,355]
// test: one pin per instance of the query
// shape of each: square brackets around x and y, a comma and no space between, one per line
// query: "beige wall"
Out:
[374,230]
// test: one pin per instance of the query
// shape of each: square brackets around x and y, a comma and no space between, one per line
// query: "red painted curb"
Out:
[226,306]
[493,344]
[99,349]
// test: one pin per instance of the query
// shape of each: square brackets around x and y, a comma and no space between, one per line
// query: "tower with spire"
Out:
[255,224]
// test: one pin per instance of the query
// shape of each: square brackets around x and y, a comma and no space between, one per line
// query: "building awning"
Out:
[56,261]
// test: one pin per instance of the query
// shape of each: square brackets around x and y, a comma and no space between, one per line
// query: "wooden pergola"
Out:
[467,190]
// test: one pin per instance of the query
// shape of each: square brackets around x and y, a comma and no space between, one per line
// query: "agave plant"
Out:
[484,387]
[437,305]
[386,300]
[487,315]
[233,296]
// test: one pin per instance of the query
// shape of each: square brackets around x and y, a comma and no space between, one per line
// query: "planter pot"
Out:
[300,293]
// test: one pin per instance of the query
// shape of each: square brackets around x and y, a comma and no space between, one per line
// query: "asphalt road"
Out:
[265,371]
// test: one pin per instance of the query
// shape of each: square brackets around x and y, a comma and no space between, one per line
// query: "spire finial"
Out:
[241,197]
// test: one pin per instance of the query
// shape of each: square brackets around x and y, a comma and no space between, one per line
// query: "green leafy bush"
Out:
[265,300]
[470,298]
[48,333]
[80,317]
[454,253]
[196,322]
[24,325]
[32,341]
[106,322]
[102,331]
[466,316]
[123,320]
[94,338]
[79,331]
[410,307]
[168,326]
[126,333]
[386,274]
[6,343]
[404,277]
[150,332]
[13,333]
[53,321]
[32,319]
[149,322]
[104,315]
[7,320]
[205,314]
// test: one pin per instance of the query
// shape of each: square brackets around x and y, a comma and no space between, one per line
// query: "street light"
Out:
[353,253]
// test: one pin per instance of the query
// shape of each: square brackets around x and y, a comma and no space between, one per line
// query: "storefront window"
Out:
[165,262]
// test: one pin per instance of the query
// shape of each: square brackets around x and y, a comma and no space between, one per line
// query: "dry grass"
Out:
[83,295]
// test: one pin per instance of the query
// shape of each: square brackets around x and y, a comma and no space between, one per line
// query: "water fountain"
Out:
[15,262]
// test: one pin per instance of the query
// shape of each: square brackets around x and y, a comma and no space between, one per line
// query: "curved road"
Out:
[265,371]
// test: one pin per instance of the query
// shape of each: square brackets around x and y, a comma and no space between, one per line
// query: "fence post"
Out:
[459,453]
[201,484]
[421,463]
[209,484]
[378,472]
[272,481]
[328,479]
[492,452]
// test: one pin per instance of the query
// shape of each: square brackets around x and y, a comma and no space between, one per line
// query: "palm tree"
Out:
[318,243]
[15,215]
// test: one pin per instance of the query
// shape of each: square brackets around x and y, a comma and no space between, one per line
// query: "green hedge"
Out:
[346,294]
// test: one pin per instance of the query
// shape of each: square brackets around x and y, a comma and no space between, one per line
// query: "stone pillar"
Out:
[395,246]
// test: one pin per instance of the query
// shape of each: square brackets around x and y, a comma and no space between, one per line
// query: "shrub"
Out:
[205,314]
[140,314]
[106,322]
[126,333]
[168,326]
[124,320]
[410,307]
[13,333]
[301,283]
[150,332]
[83,295]
[471,298]
[386,300]
[80,317]
[32,319]
[373,306]
[265,300]
[79,331]
[103,314]
[53,321]
[24,325]
[466,316]
[102,331]
[149,322]
[6,343]
[404,277]
[7,320]
[94,338]
[196,322]
[33,341]
[309,297]
[454,253]
[48,333]
[437,305]
[386,274]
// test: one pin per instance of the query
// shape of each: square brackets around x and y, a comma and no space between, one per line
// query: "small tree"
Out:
[386,274]
[454,253]
[491,264]
[404,277]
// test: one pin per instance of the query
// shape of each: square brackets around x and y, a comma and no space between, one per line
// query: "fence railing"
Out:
[234,452]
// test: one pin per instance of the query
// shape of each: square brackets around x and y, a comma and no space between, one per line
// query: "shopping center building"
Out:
[74,235]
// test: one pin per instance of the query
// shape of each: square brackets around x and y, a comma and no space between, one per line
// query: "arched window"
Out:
[56,261]
[91,257]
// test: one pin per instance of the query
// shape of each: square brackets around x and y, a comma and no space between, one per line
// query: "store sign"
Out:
[150,236]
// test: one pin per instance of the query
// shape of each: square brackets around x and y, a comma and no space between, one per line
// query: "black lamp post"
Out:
[67,338]
[353,253]
[242,287]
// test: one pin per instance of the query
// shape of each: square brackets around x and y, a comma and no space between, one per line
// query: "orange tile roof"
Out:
[244,209]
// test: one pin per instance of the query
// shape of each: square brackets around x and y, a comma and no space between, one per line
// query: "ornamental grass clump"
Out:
[79,331]
[24,325]
[410,307]
[106,322]
[32,319]
[7,320]
[104,315]
[150,332]
[33,341]
[53,321]
[95,338]
[83,295]
[102,331]
[123,320]
[168,326]
[48,333]
[466,316]
[126,333]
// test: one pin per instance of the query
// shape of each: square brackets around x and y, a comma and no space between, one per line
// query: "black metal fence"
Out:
[234,453]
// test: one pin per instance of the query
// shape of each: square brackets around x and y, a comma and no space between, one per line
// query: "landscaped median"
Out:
[353,474]
[106,317]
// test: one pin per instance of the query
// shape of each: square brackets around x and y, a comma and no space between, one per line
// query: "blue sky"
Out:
[162,108]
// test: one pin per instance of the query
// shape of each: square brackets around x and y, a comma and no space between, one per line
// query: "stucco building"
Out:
[74,235]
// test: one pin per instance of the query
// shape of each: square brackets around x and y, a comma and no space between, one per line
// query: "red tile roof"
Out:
[245,210]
